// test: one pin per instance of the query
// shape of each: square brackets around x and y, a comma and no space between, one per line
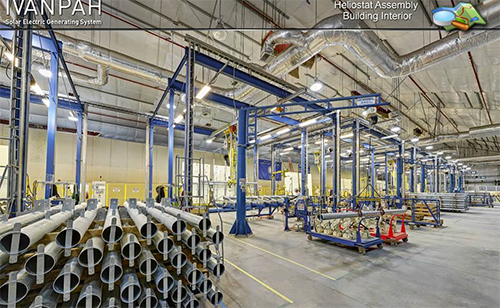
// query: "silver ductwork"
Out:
[474,132]
[369,48]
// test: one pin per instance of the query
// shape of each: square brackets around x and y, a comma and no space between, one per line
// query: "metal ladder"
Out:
[19,119]
[189,130]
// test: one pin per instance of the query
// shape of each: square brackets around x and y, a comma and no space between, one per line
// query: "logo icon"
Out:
[463,17]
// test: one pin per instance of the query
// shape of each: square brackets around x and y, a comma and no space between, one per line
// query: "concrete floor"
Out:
[454,266]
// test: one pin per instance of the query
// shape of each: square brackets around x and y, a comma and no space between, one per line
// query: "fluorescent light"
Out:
[210,140]
[36,88]
[183,97]
[389,137]
[308,122]
[448,157]
[365,113]
[318,142]
[454,161]
[460,164]
[46,101]
[288,149]
[273,109]
[395,129]
[415,140]
[11,57]
[251,141]
[468,168]
[178,119]
[439,153]
[283,131]
[45,72]
[429,147]
[347,136]
[204,91]
[72,117]
[316,86]
[268,136]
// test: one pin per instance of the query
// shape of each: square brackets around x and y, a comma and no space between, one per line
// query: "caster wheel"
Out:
[393,244]
[418,226]
[361,250]
[380,246]
[412,227]
[309,237]
[405,240]
[441,223]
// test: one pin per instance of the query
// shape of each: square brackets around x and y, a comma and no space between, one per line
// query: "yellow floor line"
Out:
[283,258]
[259,281]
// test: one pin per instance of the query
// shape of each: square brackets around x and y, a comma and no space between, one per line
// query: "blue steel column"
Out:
[413,169]
[303,162]
[189,128]
[355,164]
[436,175]
[452,179]
[373,172]
[337,169]
[323,169]
[79,134]
[171,141]
[386,172]
[422,178]
[256,167]
[149,158]
[240,226]
[273,170]
[400,171]
[52,122]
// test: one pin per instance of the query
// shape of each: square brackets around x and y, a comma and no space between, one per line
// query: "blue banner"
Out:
[265,171]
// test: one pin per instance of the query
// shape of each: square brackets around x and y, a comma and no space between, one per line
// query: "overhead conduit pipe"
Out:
[369,48]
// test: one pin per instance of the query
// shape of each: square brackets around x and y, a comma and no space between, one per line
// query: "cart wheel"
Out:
[441,223]
[309,237]
[380,246]
[393,243]
[412,227]
[361,250]
[418,226]
[405,240]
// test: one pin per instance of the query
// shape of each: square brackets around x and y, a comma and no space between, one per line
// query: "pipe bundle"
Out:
[90,256]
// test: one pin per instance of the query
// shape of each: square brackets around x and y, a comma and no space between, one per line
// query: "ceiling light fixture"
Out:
[395,129]
[415,140]
[439,153]
[316,86]
[265,137]
[349,135]
[389,137]
[308,122]
[210,140]
[448,157]
[429,147]
[45,72]
[283,131]
[72,117]
[178,119]
[204,91]
[46,102]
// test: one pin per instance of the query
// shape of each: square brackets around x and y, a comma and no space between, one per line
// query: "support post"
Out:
[149,159]
[189,128]
[52,123]
[256,168]
[337,169]
[171,141]
[423,174]
[83,168]
[386,174]
[273,170]
[323,170]
[400,171]
[413,174]
[355,164]
[373,172]
[436,175]
[303,162]
[79,132]
[240,226]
